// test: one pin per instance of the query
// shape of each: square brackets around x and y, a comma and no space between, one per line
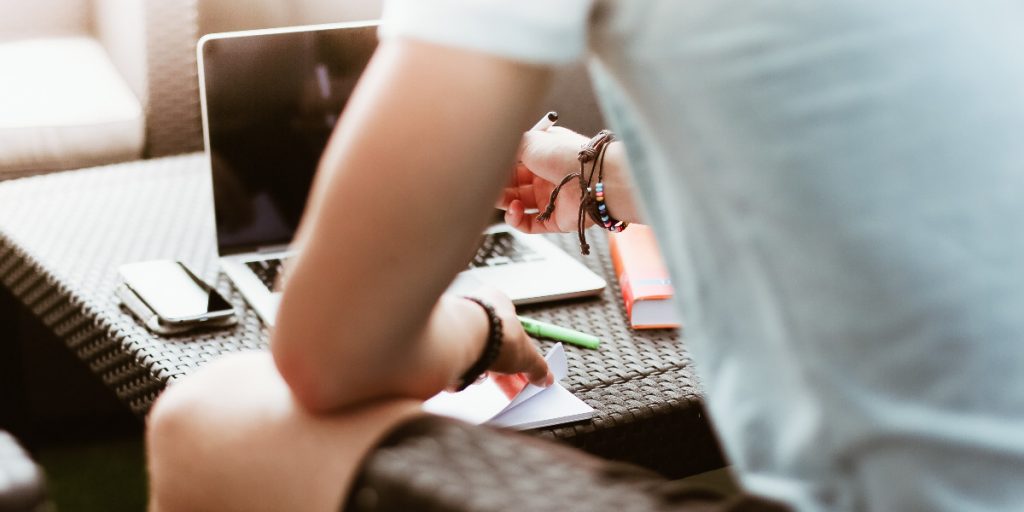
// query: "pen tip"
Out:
[553,116]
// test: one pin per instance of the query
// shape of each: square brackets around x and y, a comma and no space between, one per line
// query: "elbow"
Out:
[302,370]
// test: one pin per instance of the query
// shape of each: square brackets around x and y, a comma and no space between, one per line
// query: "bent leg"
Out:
[231,437]
[440,464]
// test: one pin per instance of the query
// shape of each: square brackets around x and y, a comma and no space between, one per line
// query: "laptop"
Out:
[270,99]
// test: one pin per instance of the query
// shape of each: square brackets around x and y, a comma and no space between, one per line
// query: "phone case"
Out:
[151,320]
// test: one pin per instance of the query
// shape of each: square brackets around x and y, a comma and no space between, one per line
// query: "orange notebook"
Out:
[643,277]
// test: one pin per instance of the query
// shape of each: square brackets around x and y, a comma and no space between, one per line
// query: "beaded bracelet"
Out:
[603,216]
[591,201]
[492,348]
[610,223]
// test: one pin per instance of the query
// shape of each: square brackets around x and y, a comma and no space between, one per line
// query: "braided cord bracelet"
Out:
[592,201]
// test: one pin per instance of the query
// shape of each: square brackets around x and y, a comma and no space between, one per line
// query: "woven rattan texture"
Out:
[172,108]
[641,382]
[442,465]
[62,237]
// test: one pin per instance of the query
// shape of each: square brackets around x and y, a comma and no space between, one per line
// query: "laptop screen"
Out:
[271,100]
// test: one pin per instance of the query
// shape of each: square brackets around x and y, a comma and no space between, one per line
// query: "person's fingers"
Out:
[518,354]
[508,195]
[523,174]
[523,188]
[551,154]
[514,213]
[526,195]
[536,368]
[523,356]
[528,223]
[526,185]
[517,218]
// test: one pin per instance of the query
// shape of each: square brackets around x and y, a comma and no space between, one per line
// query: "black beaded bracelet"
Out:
[495,336]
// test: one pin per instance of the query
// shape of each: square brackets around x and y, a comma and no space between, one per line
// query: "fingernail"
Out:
[550,380]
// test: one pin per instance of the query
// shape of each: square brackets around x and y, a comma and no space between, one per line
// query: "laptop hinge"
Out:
[272,248]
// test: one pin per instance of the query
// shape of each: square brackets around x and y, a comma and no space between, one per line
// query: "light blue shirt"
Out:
[839,191]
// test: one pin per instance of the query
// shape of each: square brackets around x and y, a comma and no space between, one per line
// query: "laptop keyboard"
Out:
[495,249]
[267,270]
[502,249]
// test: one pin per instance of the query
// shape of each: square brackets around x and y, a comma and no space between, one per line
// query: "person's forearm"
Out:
[450,343]
[429,362]
[402,195]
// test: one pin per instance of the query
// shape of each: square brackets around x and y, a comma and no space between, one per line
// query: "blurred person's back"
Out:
[847,178]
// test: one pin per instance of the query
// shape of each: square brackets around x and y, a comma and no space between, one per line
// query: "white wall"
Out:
[42,18]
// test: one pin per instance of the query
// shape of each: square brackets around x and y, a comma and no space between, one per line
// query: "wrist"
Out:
[491,349]
[474,325]
[451,342]
[618,185]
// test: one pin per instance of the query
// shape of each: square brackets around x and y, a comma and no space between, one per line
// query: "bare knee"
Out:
[232,437]
[162,435]
[168,435]
[181,441]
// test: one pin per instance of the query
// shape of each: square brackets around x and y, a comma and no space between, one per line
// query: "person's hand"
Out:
[545,157]
[518,354]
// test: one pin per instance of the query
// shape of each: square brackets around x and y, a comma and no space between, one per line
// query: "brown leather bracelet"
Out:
[591,200]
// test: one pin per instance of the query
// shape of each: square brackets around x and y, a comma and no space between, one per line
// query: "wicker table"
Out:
[62,237]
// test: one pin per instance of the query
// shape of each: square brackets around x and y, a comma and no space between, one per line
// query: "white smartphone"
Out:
[172,295]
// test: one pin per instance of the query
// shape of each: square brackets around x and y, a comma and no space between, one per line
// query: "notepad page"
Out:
[552,406]
[496,404]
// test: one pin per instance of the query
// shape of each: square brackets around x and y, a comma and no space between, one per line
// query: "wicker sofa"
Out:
[88,82]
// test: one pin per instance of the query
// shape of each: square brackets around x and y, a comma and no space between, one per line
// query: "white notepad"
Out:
[510,402]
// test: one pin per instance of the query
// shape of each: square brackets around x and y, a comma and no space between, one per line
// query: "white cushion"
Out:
[63,105]
[20,19]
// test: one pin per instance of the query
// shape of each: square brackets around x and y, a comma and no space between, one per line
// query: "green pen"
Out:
[554,332]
